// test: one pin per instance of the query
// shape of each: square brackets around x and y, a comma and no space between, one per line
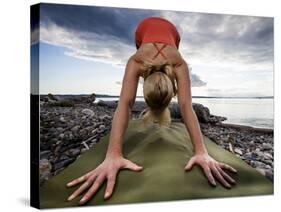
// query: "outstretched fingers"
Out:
[189,165]
[220,177]
[208,174]
[79,191]
[99,180]
[228,167]
[78,180]
[226,176]
[110,185]
[132,166]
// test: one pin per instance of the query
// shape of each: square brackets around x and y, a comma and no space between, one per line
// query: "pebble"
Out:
[45,154]
[44,170]
[266,146]
[238,151]
[73,152]
[63,164]
[88,112]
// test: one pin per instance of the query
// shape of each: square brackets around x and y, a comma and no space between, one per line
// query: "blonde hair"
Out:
[159,87]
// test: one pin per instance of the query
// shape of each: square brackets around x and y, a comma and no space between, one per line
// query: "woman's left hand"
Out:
[212,169]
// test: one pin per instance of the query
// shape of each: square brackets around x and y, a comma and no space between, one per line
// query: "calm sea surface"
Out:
[251,112]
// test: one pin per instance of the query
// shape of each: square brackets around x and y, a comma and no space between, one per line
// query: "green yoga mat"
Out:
[163,153]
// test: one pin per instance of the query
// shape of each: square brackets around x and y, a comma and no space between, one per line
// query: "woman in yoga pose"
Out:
[165,75]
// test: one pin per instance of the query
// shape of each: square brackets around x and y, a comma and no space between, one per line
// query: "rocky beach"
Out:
[72,124]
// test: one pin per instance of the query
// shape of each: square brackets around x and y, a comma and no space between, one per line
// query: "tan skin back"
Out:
[147,51]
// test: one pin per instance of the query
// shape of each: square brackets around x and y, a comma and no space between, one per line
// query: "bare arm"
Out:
[114,160]
[185,104]
[123,110]
[210,166]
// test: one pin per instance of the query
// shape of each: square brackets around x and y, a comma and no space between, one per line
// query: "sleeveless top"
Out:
[156,29]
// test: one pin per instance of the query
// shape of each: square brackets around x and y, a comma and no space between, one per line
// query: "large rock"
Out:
[52,97]
[68,98]
[110,104]
[202,112]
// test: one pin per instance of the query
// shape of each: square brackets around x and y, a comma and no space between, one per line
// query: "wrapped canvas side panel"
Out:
[34,106]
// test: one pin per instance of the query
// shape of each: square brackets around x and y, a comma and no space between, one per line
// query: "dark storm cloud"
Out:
[116,22]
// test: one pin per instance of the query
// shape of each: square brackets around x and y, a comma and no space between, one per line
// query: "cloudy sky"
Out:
[84,49]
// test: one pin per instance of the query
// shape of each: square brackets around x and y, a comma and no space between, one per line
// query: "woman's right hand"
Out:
[108,169]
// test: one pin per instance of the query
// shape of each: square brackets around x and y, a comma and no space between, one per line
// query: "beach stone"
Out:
[252,144]
[238,151]
[63,164]
[83,150]
[59,129]
[101,127]
[105,117]
[45,154]
[44,170]
[63,157]
[94,141]
[110,104]
[88,112]
[73,152]
[61,136]
[266,146]
[257,150]
[44,166]
[268,156]
[94,131]
[75,128]
[203,113]
[268,167]
[248,155]
[258,164]
[62,119]
[259,153]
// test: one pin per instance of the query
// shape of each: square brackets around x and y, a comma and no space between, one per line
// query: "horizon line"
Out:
[115,96]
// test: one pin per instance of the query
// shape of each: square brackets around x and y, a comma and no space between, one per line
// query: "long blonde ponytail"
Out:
[159,88]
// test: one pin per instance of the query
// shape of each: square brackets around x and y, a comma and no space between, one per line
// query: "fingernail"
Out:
[71,198]
[106,195]
[82,200]
[68,184]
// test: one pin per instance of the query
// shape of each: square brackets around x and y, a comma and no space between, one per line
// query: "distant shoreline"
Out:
[242,124]
[199,97]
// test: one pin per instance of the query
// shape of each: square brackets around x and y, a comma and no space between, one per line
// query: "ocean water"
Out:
[245,111]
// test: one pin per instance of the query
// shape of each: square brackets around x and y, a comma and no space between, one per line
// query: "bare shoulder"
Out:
[133,66]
